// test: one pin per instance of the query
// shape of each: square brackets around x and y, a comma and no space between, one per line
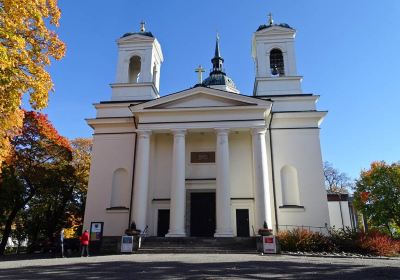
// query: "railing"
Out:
[142,235]
[145,232]
[310,228]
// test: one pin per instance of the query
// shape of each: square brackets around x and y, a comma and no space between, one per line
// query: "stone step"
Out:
[198,250]
[198,245]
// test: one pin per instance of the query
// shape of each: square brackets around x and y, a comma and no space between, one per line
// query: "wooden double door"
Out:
[202,214]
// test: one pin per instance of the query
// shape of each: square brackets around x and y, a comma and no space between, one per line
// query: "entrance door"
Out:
[242,222]
[163,222]
[202,214]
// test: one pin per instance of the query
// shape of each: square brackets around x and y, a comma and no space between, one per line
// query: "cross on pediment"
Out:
[199,70]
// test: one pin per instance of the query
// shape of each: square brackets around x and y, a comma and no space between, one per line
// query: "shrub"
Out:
[339,240]
[345,240]
[304,240]
[380,244]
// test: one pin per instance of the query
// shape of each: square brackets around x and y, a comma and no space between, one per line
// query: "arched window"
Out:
[276,62]
[120,189]
[134,69]
[290,186]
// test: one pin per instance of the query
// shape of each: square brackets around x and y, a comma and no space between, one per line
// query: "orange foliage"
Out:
[379,244]
[364,196]
[27,44]
[46,129]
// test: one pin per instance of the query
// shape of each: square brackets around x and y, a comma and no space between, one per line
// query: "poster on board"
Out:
[96,231]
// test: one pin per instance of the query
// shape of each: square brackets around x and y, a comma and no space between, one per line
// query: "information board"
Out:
[96,231]
[126,244]
[269,244]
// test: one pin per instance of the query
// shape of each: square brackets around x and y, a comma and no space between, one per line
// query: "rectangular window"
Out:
[202,157]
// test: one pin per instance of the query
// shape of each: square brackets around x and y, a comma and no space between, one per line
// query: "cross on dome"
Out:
[270,20]
[142,27]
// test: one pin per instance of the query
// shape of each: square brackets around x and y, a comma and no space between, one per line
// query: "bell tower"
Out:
[138,68]
[275,61]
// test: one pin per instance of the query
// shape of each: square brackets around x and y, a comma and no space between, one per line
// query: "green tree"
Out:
[377,196]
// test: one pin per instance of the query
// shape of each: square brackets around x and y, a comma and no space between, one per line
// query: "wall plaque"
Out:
[202,157]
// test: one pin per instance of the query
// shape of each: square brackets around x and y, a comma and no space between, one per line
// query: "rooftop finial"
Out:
[217,53]
[142,28]
[270,20]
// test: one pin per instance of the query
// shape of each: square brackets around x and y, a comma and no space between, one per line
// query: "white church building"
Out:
[208,160]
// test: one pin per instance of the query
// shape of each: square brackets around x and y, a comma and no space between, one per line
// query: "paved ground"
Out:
[199,266]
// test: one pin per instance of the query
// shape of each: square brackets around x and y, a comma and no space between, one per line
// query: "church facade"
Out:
[208,160]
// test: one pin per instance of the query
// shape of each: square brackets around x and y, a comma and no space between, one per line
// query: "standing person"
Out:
[62,242]
[85,243]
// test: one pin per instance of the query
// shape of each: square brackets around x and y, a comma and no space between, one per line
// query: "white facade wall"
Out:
[339,218]
[109,153]
[300,148]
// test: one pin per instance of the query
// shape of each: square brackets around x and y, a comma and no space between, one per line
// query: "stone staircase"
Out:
[190,245]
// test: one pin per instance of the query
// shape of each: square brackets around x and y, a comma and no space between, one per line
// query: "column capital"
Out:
[258,130]
[178,131]
[222,130]
[143,132]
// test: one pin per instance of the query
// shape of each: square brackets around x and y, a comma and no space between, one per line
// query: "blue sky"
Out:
[347,51]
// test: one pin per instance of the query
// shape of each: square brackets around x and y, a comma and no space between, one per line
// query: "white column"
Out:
[223,192]
[261,179]
[141,180]
[178,201]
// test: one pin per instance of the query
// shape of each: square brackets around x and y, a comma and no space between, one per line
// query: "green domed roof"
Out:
[265,26]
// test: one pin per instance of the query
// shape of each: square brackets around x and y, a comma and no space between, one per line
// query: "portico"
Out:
[161,112]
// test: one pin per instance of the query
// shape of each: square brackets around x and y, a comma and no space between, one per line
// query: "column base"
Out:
[224,234]
[176,234]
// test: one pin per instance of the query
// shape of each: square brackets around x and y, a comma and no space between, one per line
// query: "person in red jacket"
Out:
[85,243]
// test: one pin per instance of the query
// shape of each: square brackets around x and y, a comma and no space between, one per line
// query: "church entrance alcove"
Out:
[163,222]
[242,223]
[202,214]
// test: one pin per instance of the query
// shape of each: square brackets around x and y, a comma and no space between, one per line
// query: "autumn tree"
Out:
[336,181]
[27,46]
[39,161]
[377,196]
[81,156]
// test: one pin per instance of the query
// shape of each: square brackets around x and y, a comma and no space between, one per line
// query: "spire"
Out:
[217,60]
[217,53]
[217,79]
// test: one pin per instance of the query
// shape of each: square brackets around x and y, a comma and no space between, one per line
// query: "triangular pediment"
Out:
[201,97]
[202,100]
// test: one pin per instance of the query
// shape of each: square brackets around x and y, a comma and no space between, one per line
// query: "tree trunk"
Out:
[10,221]
[7,229]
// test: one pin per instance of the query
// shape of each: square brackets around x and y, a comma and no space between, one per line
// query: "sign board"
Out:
[269,244]
[96,231]
[126,244]
[202,157]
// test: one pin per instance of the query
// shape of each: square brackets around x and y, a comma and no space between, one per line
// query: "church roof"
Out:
[265,26]
[148,34]
[218,79]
